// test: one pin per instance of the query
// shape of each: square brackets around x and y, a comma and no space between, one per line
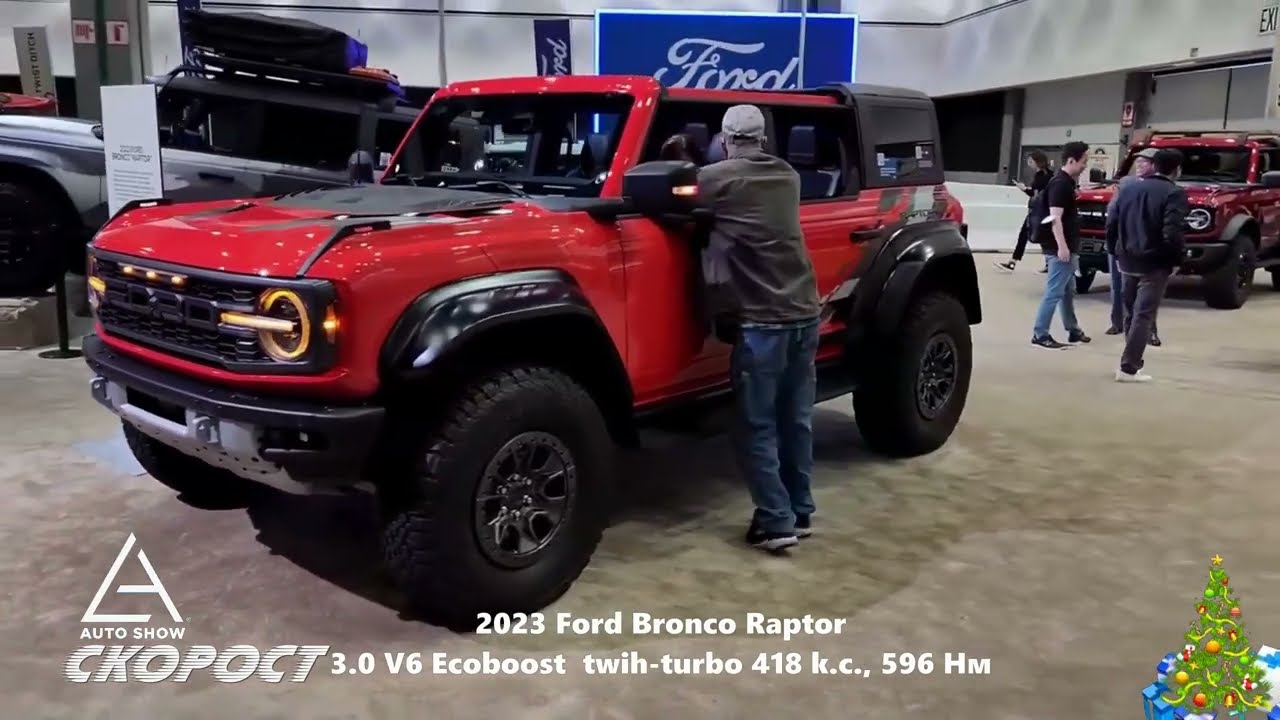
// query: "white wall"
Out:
[950,49]
[1086,109]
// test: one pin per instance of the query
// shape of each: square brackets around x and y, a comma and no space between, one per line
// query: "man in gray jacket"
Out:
[1142,167]
[764,298]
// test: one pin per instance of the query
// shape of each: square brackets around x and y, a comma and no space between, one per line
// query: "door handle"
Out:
[215,176]
[861,236]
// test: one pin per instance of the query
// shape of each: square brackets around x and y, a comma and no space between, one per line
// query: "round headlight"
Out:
[285,346]
[1199,219]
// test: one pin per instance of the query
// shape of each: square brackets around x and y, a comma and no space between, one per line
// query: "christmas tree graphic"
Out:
[1218,669]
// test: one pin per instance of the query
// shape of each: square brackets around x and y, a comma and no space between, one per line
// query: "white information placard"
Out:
[131,135]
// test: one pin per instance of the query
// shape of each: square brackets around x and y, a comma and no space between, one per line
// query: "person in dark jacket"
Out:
[1145,235]
[760,283]
[1142,167]
[1040,163]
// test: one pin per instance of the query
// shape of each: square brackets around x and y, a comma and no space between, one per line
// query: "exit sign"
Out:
[1267,19]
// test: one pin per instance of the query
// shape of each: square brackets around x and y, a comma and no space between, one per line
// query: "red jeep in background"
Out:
[1234,224]
[472,335]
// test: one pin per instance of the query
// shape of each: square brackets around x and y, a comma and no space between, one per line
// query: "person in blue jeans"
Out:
[1059,235]
[1141,168]
[763,294]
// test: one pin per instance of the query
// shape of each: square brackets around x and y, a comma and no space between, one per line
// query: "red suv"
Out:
[471,335]
[1234,224]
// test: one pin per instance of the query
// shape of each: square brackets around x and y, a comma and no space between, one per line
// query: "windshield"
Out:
[1207,164]
[520,144]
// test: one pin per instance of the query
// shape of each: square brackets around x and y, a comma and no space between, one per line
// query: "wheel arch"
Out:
[524,317]
[1242,225]
[47,185]
[937,259]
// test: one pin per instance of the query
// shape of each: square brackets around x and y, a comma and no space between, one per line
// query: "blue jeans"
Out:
[1059,290]
[774,384]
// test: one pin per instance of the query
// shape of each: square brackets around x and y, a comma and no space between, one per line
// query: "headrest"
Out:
[715,149]
[802,145]
[699,133]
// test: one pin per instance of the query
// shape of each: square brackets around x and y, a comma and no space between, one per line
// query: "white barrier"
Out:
[994,214]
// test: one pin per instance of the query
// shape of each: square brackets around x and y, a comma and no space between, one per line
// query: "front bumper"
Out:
[295,445]
[1201,258]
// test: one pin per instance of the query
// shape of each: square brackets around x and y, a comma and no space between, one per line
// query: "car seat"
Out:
[715,148]
[802,153]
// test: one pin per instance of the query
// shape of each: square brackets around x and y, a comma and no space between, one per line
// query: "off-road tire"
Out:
[32,241]
[885,403]
[430,546]
[1222,287]
[195,480]
[1084,281]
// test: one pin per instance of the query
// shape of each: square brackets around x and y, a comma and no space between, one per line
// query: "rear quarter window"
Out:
[902,145]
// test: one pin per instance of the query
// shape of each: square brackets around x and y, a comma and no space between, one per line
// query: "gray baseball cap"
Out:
[1148,153]
[743,122]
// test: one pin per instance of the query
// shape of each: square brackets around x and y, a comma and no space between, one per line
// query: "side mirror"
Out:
[1097,175]
[1271,179]
[360,168]
[662,188]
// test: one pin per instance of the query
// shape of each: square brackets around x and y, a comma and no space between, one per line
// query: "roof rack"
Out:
[365,86]
[1146,135]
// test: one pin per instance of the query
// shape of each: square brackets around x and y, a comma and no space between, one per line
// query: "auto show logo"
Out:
[109,659]
[734,51]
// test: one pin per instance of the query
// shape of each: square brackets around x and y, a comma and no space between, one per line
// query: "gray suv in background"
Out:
[230,129]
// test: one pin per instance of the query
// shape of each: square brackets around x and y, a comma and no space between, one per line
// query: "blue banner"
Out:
[552,47]
[184,8]
[726,50]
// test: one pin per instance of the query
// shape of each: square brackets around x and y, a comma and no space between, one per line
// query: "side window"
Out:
[309,137]
[904,147]
[1268,161]
[699,122]
[820,143]
[391,130]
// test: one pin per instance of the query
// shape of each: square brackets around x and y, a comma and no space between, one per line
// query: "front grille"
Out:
[1093,215]
[180,320]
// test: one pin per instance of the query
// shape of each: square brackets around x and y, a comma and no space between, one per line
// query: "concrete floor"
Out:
[1064,534]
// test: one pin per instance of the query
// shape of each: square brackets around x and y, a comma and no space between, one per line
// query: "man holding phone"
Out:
[1059,235]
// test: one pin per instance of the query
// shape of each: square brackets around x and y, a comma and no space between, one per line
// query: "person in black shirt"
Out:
[1040,163]
[1146,235]
[1059,235]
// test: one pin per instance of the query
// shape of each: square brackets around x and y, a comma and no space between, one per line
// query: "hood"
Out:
[285,235]
[1197,191]
[54,130]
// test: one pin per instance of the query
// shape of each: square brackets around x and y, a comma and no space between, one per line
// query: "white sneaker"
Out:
[1138,377]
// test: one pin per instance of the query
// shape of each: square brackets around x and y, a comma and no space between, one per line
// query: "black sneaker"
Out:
[1047,341]
[1078,336]
[1113,330]
[771,541]
[1044,270]
[1154,340]
[1007,266]
[803,527]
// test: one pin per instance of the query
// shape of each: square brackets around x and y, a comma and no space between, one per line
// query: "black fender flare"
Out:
[1236,227]
[443,320]
[932,252]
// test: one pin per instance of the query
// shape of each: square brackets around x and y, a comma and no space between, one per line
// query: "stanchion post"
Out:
[64,351]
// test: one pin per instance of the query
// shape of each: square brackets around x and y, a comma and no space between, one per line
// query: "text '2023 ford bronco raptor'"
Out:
[471,341]
[1233,228]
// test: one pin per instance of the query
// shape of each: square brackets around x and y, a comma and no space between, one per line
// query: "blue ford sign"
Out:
[727,50]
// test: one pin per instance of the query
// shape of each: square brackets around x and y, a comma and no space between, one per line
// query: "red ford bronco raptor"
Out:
[1232,180]
[472,335]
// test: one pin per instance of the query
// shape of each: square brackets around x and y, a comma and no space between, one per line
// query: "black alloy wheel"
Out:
[936,380]
[522,498]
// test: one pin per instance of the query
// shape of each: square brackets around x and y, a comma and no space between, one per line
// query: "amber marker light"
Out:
[330,324]
[684,190]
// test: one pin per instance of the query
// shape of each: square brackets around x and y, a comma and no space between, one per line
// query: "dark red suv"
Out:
[472,335]
[1234,224]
